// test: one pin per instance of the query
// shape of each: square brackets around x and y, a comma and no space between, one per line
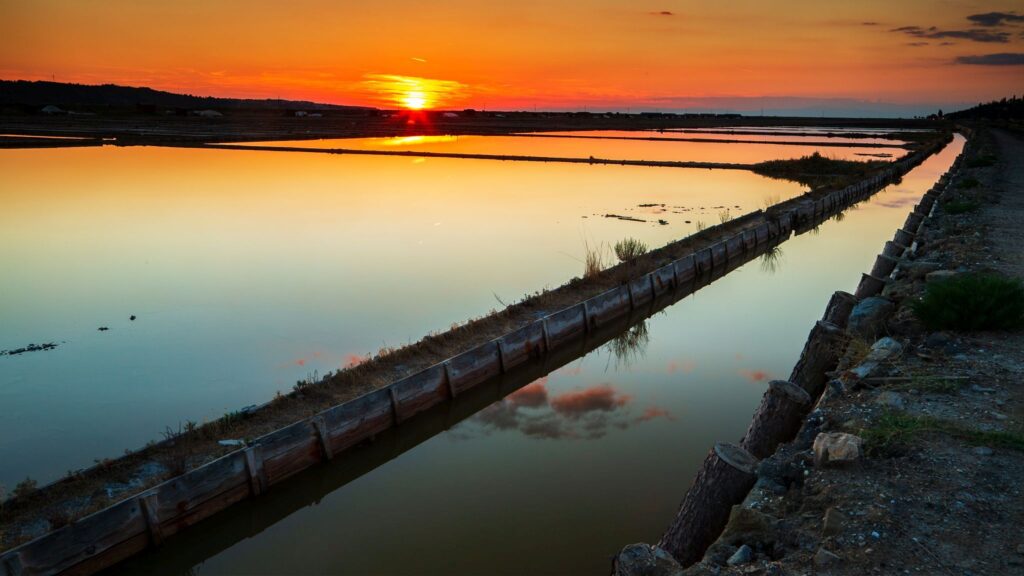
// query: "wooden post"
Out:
[724,479]
[149,506]
[254,465]
[448,369]
[322,434]
[884,265]
[777,419]
[913,221]
[893,250]
[821,354]
[903,237]
[839,307]
[869,286]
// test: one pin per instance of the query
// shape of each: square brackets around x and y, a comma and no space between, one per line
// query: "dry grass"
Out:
[593,261]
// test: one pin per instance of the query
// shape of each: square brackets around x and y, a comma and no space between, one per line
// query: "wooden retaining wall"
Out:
[728,472]
[145,520]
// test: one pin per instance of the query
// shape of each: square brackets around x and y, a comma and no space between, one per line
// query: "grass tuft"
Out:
[972,301]
[893,429]
[593,260]
[629,249]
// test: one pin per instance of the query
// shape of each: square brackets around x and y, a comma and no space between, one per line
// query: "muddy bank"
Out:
[911,460]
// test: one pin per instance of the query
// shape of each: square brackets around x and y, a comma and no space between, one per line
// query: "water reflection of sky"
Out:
[598,148]
[556,477]
[248,271]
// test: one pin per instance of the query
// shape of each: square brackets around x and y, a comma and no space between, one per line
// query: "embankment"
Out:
[909,458]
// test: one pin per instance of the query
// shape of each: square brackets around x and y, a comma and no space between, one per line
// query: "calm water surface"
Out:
[249,270]
[556,477]
[586,147]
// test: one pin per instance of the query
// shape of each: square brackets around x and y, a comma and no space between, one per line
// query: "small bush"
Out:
[960,206]
[968,183]
[629,249]
[983,161]
[972,302]
[24,488]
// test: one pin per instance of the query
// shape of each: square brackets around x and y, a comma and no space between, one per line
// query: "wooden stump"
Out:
[777,419]
[724,480]
[839,307]
[820,355]
[869,286]
[884,265]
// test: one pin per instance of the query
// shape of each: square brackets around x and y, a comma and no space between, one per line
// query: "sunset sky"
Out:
[599,54]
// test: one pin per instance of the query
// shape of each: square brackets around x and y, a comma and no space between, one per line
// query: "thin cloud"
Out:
[870,23]
[974,35]
[998,59]
[662,13]
[996,18]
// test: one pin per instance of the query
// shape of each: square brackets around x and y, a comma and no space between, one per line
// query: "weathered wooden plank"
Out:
[641,289]
[609,305]
[566,326]
[359,419]
[663,280]
[734,246]
[523,345]
[420,392]
[289,450]
[685,270]
[178,496]
[475,366]
[95,535]
[718,255]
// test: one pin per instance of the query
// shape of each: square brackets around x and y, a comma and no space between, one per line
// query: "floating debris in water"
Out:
[103,328]
[132,317]
[29,348]
[663,222]
[626,218]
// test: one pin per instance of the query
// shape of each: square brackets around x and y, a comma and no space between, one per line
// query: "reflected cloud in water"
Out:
[583,414]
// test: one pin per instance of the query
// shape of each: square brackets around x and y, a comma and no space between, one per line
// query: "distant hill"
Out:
[40,93]
[1005,109]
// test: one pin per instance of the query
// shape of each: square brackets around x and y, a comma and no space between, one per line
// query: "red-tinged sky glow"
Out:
[596,54]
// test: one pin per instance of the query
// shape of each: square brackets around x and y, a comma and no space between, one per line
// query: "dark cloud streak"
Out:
[973,35]
[992,19]
[998,59]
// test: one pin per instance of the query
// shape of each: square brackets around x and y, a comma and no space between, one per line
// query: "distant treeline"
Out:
[38,94]
[1005,109]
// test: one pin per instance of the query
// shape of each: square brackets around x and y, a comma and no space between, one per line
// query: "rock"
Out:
[881,351]
[891,399]
[915,270]
[839,447]
[645,560]
[939,275]
[867,320]
[743,555]
[746,523]
[833,523]
[823,558]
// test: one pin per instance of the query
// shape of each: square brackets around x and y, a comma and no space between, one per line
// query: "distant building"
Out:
[51,109]
[450,115]
[207,113]
[300,113]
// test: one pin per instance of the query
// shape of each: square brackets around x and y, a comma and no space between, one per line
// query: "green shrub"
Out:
[972,301]
[960,206]
[629,249]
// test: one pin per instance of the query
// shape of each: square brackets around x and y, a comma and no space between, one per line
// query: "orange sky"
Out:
[594,53]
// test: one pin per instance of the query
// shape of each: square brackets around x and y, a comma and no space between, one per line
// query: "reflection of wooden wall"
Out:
[728,472]
[128,527]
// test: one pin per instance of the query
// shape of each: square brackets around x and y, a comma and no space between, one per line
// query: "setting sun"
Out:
[414,100]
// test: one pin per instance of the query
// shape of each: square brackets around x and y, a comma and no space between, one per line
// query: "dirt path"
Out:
[1005,220]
